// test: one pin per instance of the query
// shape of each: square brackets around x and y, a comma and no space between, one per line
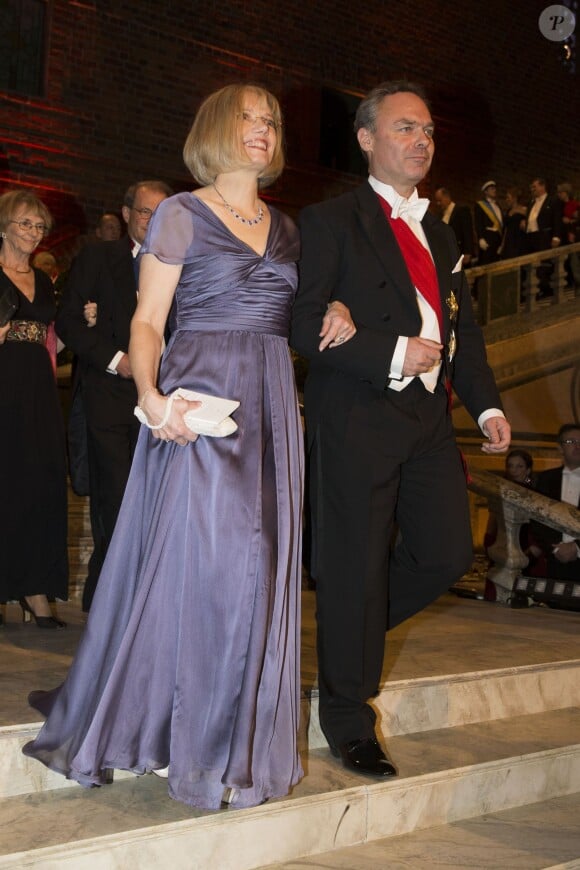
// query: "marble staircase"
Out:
[488,727]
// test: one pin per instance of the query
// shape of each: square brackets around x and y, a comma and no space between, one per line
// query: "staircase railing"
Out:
[510,286]
[514,505]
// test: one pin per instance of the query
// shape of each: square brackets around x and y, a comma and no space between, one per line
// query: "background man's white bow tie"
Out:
[405,208]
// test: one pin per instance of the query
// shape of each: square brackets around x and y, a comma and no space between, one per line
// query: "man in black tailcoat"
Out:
[380,435]
[105,273]
[458,217]
[562,552]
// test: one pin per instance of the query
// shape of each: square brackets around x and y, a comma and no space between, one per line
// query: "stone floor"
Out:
[452,636]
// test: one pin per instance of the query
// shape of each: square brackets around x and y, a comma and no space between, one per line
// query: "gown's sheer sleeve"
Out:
[170,234]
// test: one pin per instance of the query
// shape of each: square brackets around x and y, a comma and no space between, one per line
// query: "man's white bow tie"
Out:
[415,208]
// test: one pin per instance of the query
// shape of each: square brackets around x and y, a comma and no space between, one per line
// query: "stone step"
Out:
[541,836]
[404,707]
[446,775]
[408,706]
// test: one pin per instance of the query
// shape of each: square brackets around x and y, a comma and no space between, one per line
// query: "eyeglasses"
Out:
[571,441]
[27,226]
[146,213]
[270,123]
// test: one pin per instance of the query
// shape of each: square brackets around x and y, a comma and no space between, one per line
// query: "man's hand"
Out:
[124,367]
[499,433]
[421,355]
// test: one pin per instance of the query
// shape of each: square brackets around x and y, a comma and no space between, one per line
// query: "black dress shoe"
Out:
[365,756]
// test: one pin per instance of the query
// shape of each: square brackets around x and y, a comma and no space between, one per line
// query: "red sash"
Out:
[418,261]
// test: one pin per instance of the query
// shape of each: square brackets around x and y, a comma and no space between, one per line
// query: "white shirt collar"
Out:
[389,193]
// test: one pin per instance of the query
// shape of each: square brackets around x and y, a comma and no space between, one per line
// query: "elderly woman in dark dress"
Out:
[33,513]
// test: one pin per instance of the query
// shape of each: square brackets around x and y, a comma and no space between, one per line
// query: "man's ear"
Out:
[365,139]
[126,212]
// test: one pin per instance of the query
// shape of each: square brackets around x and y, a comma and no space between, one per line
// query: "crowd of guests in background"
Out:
[502,228]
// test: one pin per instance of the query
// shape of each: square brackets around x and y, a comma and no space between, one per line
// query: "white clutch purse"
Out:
[212,418]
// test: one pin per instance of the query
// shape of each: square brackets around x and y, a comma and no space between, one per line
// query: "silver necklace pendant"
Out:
[250,222]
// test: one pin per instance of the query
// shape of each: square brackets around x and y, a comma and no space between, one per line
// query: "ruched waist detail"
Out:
[232,324]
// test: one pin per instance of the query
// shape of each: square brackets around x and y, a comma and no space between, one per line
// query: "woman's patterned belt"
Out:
[27,330]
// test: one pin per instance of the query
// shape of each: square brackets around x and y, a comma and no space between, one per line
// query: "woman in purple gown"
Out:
[190,658]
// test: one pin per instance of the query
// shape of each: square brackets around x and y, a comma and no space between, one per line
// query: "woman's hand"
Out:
[4,330]
[337,326]
[90,312]
[175,429]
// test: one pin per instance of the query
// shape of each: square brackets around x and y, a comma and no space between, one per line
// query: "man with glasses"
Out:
[105,273]
[562,484]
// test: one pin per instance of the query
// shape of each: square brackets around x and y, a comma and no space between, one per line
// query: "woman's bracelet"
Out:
[142,416]
[146,393]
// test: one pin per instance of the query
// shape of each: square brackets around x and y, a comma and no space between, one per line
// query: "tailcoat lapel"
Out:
[383,242]
[123,272]
[435,233]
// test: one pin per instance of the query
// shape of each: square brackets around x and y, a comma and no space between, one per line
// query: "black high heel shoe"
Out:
[41,621]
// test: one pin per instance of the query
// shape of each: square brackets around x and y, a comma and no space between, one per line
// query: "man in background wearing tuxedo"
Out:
[380,435]
[544,230]
[105,273]
[562,484]
[488,224]
[458,217]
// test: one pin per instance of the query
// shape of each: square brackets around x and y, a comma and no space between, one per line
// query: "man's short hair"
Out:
[155,184]
[565,429]
[366,114]
[213,144]
[565,187]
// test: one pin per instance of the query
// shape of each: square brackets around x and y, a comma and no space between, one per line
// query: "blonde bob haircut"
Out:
[214,144]
[13,201]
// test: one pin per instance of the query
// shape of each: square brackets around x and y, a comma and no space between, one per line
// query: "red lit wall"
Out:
[124,79]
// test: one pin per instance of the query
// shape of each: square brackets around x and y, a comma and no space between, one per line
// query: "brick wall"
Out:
[124,79]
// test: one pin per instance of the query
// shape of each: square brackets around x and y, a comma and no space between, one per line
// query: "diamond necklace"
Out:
[250,222]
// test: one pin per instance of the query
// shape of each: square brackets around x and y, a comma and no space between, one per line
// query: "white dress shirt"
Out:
[429,321]
[570,492]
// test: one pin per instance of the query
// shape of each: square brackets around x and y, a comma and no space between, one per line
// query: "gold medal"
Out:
[451,345]
[453,306]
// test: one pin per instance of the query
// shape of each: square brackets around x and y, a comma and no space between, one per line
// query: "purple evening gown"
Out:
[190,657]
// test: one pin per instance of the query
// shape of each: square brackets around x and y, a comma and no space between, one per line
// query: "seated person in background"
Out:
[562,552]
[519,469]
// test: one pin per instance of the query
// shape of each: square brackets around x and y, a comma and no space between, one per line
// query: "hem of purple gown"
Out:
[245,797]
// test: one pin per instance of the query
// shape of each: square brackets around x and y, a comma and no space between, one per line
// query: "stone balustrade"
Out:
[514,505]
[501,286]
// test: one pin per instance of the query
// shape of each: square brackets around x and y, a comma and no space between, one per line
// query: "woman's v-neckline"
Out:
[233,235]
[17,288]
